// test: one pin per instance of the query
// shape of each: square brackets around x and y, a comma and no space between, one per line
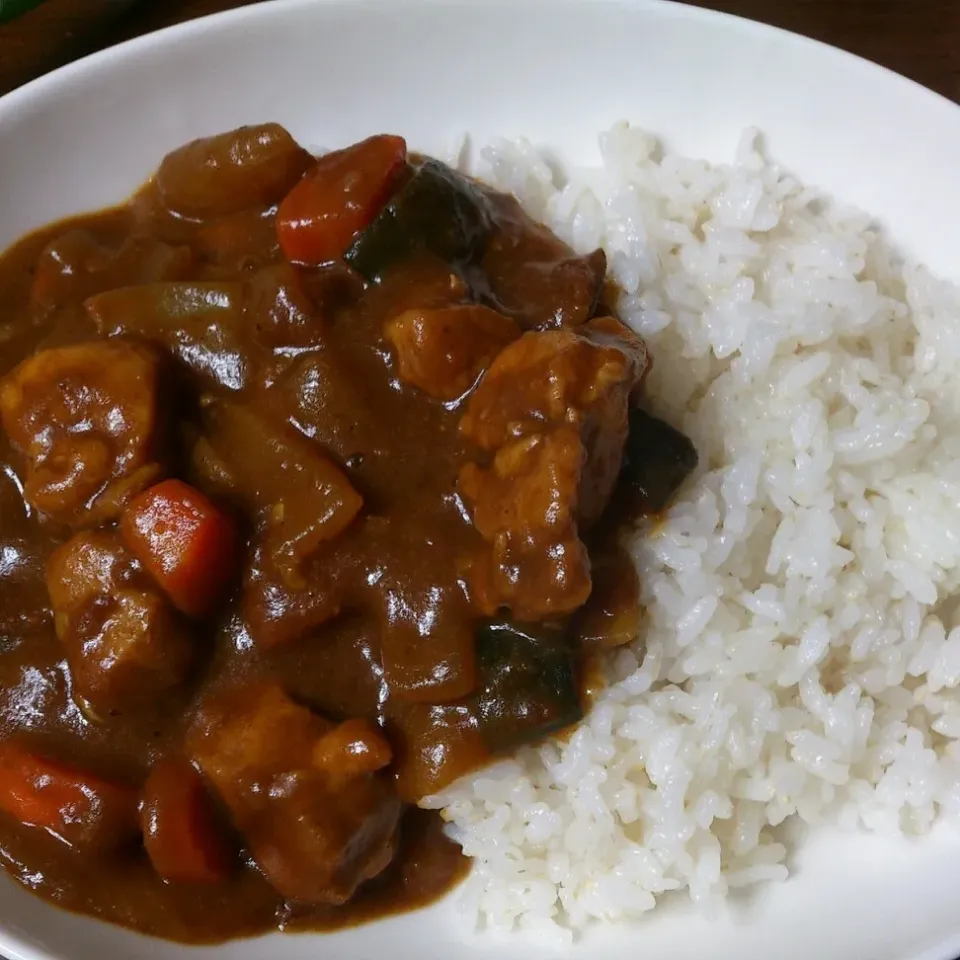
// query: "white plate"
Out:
[556,71]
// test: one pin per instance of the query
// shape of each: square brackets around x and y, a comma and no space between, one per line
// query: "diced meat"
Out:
[442,350]
[552,412]
[536,278]
[86,419]
[315,812]
[76,265]
[532,485]
[527,498]
[249,167]
[125,645]
[554,376]
[534,578]
[560,377]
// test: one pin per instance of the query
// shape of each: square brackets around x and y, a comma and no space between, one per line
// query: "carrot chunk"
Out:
[183,838]
[75,806]
[338,198]
[189,546]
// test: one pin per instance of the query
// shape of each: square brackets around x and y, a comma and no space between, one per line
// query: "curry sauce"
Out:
[312,479]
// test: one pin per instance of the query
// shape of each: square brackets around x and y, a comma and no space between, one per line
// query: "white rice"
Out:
[802,656]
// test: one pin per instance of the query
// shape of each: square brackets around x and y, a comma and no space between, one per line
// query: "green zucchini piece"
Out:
[656,460]
[437,211]
[529,684]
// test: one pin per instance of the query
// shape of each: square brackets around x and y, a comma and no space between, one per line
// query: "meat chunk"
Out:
[533,484]
[442,350]
[125,645]
[560,377]
[536,278]
[551,413]
[86,419]
[525,507]
[534,578]
[315,811]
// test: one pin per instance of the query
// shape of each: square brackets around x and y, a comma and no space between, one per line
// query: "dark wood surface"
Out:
[919,38]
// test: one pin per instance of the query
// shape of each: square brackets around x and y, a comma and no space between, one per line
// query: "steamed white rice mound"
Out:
[801,657]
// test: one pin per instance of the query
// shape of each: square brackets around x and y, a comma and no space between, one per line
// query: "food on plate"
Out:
[799,636]
[317,479]
[623,539]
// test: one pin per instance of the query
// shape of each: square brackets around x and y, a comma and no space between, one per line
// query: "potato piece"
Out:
[215,176]
[282,605]
[86,419]
[75,266]
[279,309]
[303,496]
[321,392]
[442,350]
[436,744]
[201,323]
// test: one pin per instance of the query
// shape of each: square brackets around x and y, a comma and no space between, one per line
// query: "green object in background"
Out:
[13,8]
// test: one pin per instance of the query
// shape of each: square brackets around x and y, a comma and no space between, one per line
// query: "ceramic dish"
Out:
[556,72]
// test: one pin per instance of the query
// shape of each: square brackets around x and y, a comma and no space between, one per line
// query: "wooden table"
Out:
[919,38]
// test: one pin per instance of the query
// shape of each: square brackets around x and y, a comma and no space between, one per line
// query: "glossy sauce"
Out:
[398,572]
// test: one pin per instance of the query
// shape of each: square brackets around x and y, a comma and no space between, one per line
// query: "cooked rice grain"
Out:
[802,657]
